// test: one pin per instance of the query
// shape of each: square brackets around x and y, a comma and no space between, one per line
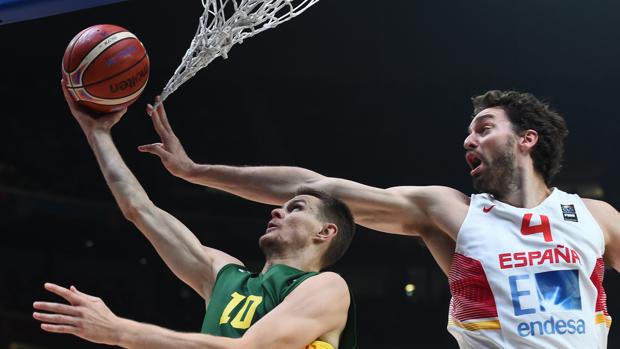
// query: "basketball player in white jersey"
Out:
[525,261]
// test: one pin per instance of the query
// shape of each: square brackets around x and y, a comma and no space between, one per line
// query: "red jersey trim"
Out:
[472,297]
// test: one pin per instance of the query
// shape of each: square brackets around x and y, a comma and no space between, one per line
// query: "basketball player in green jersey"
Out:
[288,305]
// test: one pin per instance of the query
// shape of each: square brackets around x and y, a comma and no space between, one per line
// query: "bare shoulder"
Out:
[605,214]
[219,259]
[444,208]
[327,280]
[326,287]
[608,219]
[598,205]
[331,278]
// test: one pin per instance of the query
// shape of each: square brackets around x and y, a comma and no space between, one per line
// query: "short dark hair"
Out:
[335,211]
[527,112]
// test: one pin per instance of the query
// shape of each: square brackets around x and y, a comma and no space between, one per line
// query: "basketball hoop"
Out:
[225,23]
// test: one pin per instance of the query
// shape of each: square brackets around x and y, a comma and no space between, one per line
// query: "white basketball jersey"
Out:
[529,277]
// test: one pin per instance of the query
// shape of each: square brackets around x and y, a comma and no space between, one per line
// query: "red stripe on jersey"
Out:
[472,297]
[597,279]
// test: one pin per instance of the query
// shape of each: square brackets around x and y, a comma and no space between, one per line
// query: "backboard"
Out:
[21,10]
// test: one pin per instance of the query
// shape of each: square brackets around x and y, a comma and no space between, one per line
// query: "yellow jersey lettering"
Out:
[236,299]
[242,322]
[243,318]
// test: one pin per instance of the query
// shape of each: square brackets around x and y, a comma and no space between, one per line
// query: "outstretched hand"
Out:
[90,120]
[169,150]
[86,316]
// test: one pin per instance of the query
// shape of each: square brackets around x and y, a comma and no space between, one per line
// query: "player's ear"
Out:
[328,232]
[527,140]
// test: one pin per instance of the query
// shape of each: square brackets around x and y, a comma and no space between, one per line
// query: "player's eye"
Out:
[485,129]
[295,207]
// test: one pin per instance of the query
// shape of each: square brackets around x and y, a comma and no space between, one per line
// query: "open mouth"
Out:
[271,226]
[474,162]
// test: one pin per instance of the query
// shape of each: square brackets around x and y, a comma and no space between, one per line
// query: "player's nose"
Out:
[470,142]
[277,213]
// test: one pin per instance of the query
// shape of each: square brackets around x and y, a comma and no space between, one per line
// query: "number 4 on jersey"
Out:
[544,227]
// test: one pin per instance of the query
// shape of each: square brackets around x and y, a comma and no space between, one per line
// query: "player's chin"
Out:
[270,244]
[267,240]
[272,241]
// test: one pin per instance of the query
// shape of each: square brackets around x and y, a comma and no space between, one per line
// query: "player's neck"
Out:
[299,261]
[530,192]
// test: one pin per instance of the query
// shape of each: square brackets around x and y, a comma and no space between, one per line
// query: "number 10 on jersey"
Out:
[244,316]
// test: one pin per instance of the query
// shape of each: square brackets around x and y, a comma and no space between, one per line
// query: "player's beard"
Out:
[501,175]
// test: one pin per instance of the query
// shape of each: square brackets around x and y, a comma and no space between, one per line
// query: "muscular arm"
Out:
[182,252]
[388,210]
[193,263]
[400,210]
[608,219]
[441,247]
[316,309]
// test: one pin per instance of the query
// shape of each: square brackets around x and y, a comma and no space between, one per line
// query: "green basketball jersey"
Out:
[241,297]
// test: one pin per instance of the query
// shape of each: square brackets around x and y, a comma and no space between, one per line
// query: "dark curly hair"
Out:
[526,112]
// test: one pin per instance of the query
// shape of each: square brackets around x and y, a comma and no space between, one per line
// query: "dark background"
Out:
[373,91]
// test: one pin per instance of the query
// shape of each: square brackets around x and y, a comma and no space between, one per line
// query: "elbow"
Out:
[136,211]
[316,181]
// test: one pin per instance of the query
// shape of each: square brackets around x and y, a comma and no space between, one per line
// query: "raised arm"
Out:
[316,309]
[193,263]
[401,210]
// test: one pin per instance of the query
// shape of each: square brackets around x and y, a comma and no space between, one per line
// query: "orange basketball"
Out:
[105,68]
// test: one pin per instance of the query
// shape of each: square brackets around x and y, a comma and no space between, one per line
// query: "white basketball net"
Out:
[225,23]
